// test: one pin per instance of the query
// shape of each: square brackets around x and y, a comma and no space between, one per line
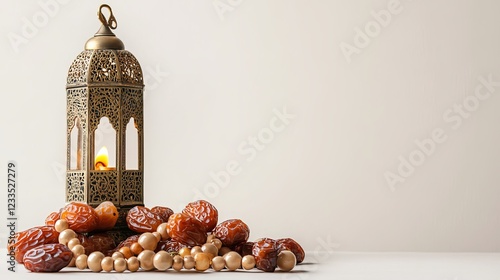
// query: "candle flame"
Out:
[101,159]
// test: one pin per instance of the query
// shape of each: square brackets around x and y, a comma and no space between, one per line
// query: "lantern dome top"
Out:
[105,38]
[109,67]
[105,60]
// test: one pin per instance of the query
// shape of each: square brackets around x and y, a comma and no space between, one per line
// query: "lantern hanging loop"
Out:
[105,38]
[111,22]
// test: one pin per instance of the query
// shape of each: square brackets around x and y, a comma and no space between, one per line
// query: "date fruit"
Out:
[129,241]
[47,258]
[244,249]
[34,237]
[141,219]
[204,212]
[291,245]
[102,242]
[265,252]
[232,232]
[163,212]
[86,243]
[80,217]
[169,246]
[187,230]
[107,215]
[52,219]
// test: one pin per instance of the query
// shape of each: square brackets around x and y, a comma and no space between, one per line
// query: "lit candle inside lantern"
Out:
[102,160]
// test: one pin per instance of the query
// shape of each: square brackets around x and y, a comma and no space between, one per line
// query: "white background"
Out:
[213,80]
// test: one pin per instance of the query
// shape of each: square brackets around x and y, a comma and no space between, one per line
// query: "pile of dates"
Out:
[79,236]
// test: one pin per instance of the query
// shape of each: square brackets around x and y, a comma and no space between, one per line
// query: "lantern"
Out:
[104,81]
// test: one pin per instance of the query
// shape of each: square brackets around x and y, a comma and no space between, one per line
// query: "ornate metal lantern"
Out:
[104,80]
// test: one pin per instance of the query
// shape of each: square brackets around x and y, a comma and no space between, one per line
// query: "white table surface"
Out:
[351,266]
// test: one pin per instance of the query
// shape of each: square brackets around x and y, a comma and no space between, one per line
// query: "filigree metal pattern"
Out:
[130,68]
[75,186]
[77,73]
[132,104]
[77,107]
[104,102]
[103,67]
[131,187]
[103,186]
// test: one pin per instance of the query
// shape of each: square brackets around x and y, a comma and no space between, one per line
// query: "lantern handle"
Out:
[111,22]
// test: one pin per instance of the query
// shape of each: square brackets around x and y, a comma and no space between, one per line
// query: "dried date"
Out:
[187,230]
[52,219]
[47,258]
[291,245]
[128,242]
[80,217]
[204,212]
[244,248]
[232,232]
[141,219]
[169,246]
[107,215]
[265,252]
[86,243]
[163,212]
[102,242]
[34,237]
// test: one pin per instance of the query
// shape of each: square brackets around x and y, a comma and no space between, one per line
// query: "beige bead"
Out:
[133,264]
[210,249]
[136,248]
[107,264]
[195,250]
[78,250]
[218,263]
[248,262]
[126,252]
[66,235]
[178,262]
[148,241]
[61,225]
[94,261]
[162,230]
[217,243]
[146,259]
[210,237]
[189,262]
[158,236]
[286,260]
[185,251]
[233,260]
[73,242]
[120,264]
[117,255]
[162,261]
[81,262]
[202,261]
